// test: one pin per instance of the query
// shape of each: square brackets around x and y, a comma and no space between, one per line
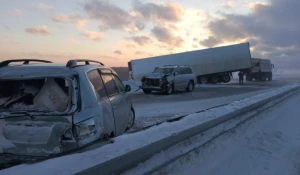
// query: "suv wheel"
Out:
[169,90]
[190,86]
[131,119]
[147,91]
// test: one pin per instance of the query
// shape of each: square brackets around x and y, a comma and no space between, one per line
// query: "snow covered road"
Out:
[156,108]
[267,144]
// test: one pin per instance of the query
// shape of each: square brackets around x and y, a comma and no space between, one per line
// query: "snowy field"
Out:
[268,144]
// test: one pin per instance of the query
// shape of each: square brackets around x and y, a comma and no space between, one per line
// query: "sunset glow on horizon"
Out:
[116,32]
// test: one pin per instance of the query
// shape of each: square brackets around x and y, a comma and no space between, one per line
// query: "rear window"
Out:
[44,94]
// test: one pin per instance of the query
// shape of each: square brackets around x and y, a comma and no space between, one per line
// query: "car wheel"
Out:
[190,86]
[131,119]
[169,90]
[147,91]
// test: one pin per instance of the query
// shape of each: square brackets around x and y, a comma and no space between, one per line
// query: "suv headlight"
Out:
[85,129]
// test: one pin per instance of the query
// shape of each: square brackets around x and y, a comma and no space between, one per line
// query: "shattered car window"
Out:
[46,94]
[166,71]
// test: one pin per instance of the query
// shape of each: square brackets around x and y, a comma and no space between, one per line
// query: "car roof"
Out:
[45,69]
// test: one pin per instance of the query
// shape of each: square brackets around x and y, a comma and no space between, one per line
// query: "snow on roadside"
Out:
[265,145]
[135,85]
[129,142]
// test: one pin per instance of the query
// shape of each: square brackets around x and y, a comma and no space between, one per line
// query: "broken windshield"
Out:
[40,95]
[166,71]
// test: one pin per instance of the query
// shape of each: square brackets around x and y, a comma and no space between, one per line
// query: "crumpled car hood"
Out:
[23,136]
[155,75]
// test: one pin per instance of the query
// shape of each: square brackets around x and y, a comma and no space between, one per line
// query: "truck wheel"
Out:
[190,87]
[169,90]
[203,80]
[270,77]
[147,91]
[226,78]
[214,79]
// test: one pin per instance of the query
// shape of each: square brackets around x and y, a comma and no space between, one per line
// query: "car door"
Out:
[178,78]
[117,101]
[103,101]
[125,100]
[185,76]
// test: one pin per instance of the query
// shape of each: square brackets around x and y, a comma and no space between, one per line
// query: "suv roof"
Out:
[46,66]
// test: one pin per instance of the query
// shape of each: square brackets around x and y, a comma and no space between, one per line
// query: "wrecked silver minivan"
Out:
[47,109]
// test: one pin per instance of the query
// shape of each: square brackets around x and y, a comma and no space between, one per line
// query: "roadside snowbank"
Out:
[75,163]
[268,144]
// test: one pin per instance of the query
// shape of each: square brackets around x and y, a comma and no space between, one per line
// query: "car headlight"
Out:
[85,129]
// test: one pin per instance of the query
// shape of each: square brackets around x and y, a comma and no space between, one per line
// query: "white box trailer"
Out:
[210,65]
[261,70]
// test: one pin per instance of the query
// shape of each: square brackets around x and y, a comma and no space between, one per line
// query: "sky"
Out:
[117,31]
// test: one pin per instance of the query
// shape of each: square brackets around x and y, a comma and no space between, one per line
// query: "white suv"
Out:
[169,79]
[47,109]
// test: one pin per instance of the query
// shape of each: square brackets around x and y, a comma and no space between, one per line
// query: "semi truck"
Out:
[214,65]
[261,70]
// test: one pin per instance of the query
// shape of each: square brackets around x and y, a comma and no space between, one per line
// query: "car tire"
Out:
[190,87]
[147,91]
[169,90]
[131,119]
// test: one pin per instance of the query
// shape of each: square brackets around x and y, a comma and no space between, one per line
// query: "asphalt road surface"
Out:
[156,108]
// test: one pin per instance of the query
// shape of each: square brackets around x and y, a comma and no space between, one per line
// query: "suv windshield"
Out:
[166,71]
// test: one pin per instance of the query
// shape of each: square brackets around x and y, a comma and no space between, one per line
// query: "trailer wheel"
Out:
[203,80]
[226,78]
[214,79]
[270,77]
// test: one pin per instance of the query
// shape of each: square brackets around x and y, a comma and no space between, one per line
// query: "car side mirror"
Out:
[175,73]
[127,88]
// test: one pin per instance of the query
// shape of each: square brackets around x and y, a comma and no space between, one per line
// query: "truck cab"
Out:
[261,70]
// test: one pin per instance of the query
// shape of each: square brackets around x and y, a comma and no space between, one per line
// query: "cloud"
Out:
[130,46]
[17,12]
[164,12]
[39,30]
[94,36]
[140,40]
[6,27]
[164,35]
[118,52]
[228,4]
[270,28]
[195,46]
[112,16]
[142,53]
[42,6]
[64,18]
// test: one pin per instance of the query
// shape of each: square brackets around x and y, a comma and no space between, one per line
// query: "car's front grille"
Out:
[153,82]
